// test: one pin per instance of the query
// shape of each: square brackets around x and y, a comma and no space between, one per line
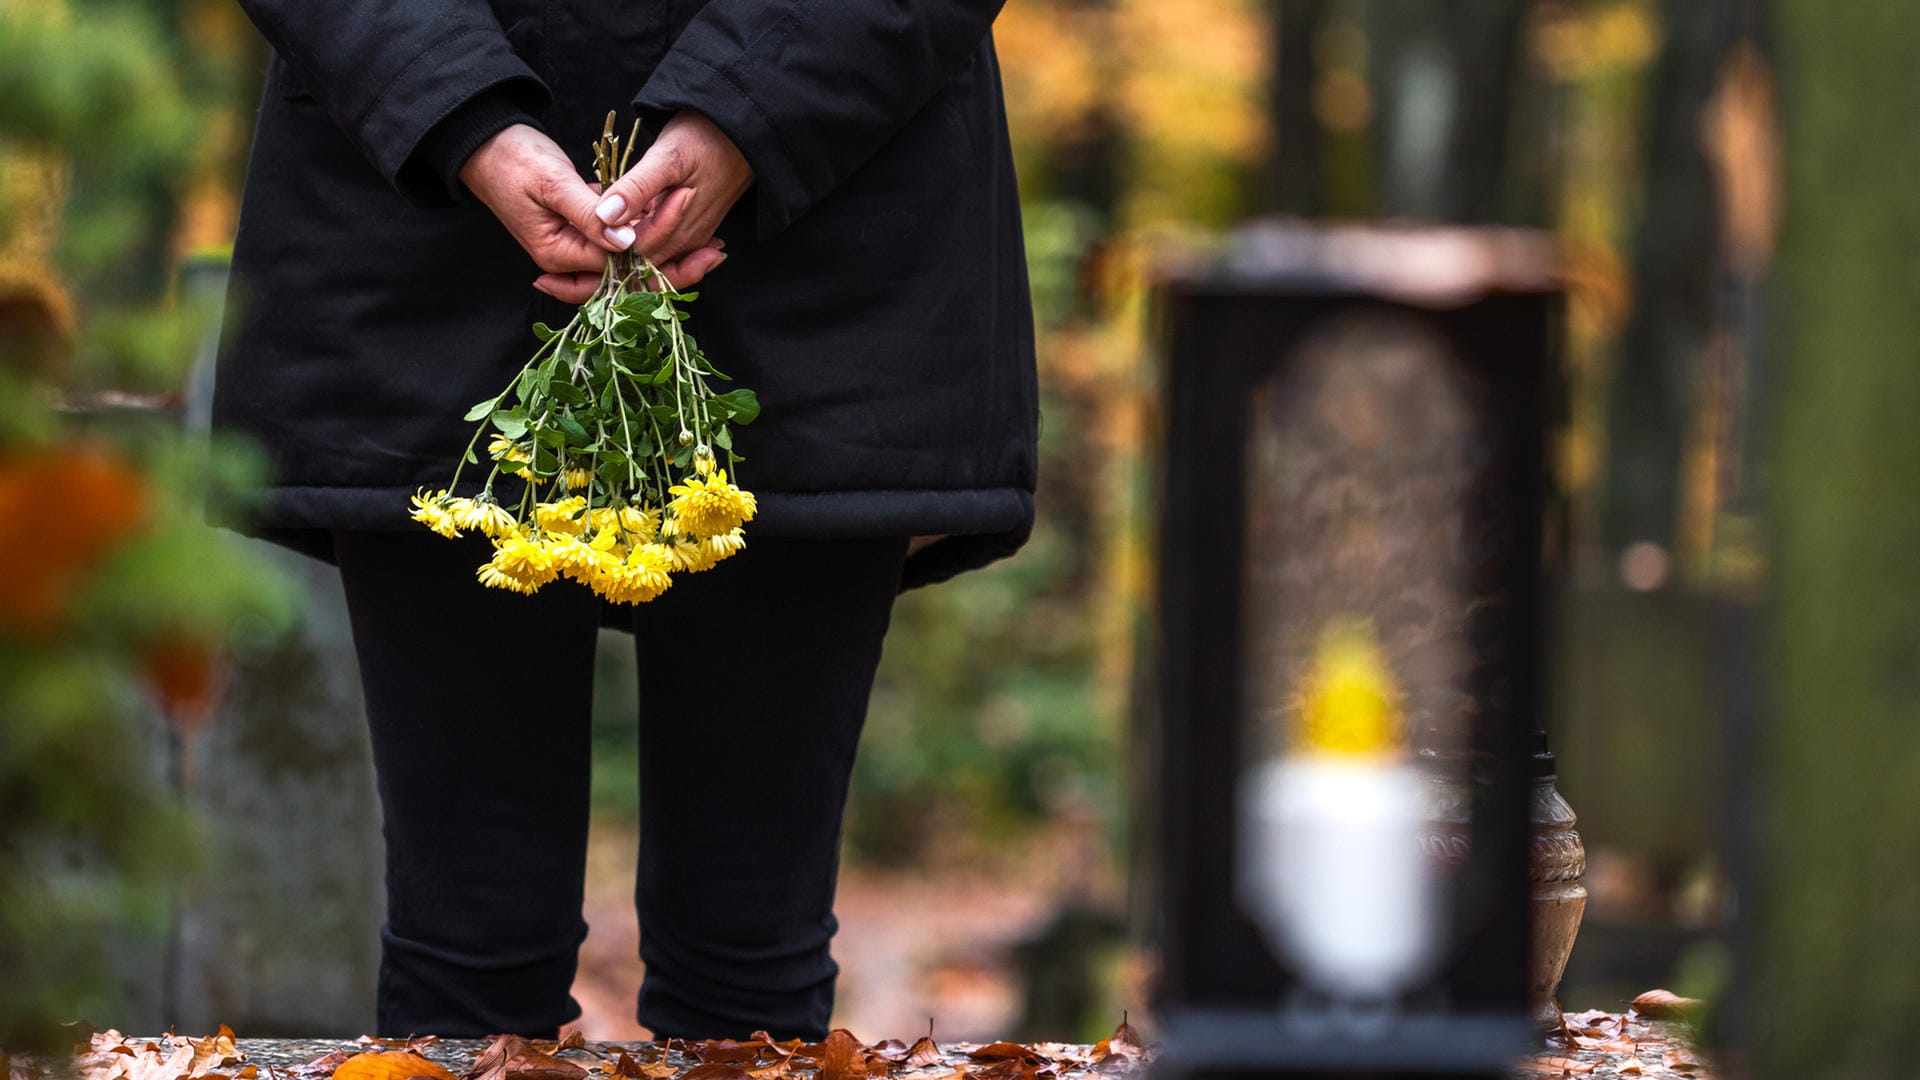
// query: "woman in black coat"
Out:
[413,203]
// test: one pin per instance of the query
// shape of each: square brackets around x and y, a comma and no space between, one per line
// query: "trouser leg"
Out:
[754,679]
[478,703]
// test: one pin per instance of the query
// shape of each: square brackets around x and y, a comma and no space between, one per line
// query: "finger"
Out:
[689,269]
[565,251]
[661,167]
[568,288]
[656,233]
[571,198]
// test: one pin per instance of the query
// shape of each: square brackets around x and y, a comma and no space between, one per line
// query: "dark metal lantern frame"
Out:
[1227,1006]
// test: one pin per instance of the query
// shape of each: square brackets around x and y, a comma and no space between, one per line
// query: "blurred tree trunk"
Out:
[1447,89]
[1838,911]
[1296,180]
[1676,265]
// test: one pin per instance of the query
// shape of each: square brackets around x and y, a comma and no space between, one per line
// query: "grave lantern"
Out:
[1355,525]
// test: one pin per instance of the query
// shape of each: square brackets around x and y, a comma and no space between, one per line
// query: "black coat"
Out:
[875,295]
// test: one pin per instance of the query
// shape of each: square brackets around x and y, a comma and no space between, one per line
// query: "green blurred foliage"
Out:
[116,600]
[1837,918]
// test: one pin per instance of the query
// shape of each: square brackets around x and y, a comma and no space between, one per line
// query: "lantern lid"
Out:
[1429,266]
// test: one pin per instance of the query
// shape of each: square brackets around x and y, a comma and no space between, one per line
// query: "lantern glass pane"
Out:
[1364,451]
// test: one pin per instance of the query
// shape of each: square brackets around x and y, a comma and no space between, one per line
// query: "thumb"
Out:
[661,167]
[573,199]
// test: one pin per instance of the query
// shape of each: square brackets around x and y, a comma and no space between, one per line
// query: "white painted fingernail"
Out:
[611,209]
[621,237]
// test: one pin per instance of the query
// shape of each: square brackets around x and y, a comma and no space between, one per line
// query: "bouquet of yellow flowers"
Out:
[611,408]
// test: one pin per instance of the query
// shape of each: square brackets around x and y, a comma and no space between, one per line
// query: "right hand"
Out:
[526,180]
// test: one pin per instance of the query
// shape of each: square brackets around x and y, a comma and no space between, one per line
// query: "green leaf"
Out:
[468,456]
[511,422]
[479,412]
[723,438]
[563,391]
[512,467]
[544,332]
[741,404]
[550,436]
[664,312]
[576,434]
[686,297]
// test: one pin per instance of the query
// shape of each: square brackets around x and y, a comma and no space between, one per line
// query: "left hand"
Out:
[674,198]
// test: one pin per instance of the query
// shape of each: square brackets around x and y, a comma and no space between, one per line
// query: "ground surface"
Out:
[1594,1044]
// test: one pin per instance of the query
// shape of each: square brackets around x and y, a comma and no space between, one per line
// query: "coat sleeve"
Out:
[809,89]
[389,73]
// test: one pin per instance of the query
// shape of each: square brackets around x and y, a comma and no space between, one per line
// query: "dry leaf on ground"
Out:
[510,1057]
[1007,1051]
[112,1056]
[568,1040]
[1682,1060]
[715,1070]
[1557,1066]
[389,1065]
[1665,1004]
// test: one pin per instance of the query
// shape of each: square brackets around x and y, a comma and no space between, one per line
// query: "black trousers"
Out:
[754,679]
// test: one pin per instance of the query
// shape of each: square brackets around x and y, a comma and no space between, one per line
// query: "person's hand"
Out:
[675,196]
[526,180]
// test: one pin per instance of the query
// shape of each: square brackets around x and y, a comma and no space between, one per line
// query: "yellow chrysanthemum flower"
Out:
[431,509]
[688,554]
[573,557]
[645,573]
[494,578]
[503,448]
[483,514]
[727,543]
[710,506]
[520,563]
[642,522]
[578,477]
[561,516]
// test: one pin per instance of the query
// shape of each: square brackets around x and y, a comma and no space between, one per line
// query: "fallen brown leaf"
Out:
[1011,1068]
[843,1057]
[1557,1066]
[715,1070]
[1001,1051]
[1593,1022]
[924,1051]
[724,1051]
[109,1055]
[509,1057]
[389,1065]
[1682,1060]
[783,1049]
[570,1039]
[1632,1067]
[1665,1004]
